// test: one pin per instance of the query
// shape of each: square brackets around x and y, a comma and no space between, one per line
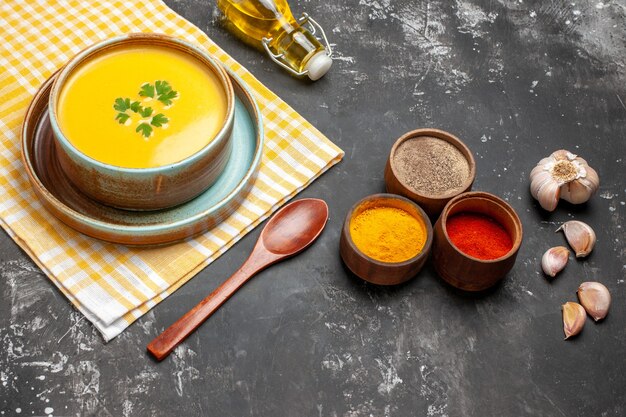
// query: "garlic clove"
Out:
[595,298]
[580,237]
[562,155]
[542,166]
[576,192]
[573,318]
[548,195]
[592,180]
[580,160]
[588,182]
[554,260]
[538,180]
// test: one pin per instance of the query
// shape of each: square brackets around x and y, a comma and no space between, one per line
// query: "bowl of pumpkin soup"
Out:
[142,121]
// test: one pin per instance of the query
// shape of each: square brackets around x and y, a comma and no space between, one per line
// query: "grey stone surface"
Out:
[515,80]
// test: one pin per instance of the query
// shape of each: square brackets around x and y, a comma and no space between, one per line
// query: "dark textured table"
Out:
[515,80]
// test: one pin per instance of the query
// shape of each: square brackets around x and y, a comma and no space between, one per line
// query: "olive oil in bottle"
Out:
[284,38]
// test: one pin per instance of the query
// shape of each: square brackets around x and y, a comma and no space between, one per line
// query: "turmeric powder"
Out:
[388,234]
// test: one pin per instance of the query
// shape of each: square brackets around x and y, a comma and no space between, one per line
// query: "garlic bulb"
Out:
[562,175]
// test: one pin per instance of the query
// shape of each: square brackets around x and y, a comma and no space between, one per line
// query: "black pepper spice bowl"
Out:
[434,202]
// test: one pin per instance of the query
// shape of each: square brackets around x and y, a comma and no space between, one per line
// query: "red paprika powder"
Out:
[479,236]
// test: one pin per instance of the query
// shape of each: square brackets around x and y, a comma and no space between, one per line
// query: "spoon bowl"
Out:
[290,231]
[295,227]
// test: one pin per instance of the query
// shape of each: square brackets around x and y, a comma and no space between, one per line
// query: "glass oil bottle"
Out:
[285,39]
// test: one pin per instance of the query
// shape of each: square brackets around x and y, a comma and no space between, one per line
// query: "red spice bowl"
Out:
[388,271]
[476,241]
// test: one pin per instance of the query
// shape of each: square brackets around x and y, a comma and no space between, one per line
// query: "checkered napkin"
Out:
[113,285]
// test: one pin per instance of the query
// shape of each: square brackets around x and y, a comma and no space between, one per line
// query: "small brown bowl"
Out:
[372,270]
[464,271]
[432,204]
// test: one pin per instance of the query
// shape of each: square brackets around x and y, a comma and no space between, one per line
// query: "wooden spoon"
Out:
[292,229]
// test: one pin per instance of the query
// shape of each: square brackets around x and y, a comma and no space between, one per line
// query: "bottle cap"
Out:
[318,65]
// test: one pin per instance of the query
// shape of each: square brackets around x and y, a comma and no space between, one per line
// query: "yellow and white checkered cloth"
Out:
[113,285]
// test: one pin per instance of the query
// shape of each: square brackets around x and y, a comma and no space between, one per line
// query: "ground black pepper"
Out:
[431,166]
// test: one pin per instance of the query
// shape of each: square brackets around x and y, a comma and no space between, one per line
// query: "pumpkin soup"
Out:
[141,106]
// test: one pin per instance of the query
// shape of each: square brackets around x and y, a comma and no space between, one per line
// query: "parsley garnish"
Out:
[147,112]
[165,94]
[121,105]
[122,118]
[159,120]
[147,90]
[135,106]
[145,129]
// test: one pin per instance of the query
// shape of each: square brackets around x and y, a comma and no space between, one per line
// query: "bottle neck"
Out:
[297,45]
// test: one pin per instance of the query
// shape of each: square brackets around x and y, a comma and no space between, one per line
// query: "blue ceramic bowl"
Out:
[144,188]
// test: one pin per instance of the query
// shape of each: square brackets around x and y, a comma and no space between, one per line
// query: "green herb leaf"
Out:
[136,106]
[121,105]
[167,97]
[159,120]
[163,87]
[165,92]
[145,129]
[122,118]
[147,90]
[146,112]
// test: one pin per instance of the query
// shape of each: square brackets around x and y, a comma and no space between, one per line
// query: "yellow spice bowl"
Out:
[376,271]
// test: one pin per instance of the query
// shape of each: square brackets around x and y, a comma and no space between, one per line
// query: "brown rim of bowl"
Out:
[493,199]
[386,196]
[152,39]
[438,134]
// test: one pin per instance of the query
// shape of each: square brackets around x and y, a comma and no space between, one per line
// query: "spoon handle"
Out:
[163,344]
